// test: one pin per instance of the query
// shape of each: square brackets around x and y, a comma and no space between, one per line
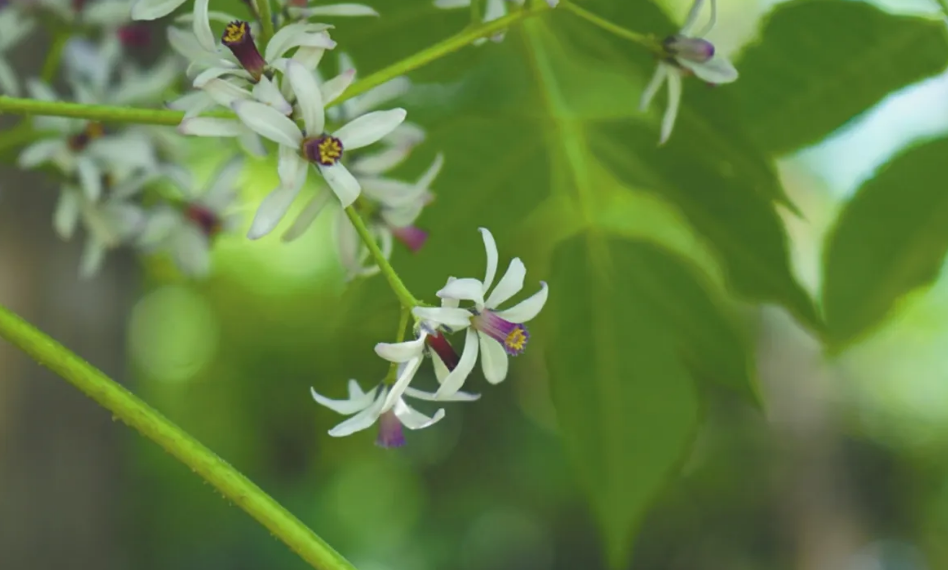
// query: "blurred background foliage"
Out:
[742,362]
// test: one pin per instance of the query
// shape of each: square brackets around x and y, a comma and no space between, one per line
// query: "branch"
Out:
[151,424]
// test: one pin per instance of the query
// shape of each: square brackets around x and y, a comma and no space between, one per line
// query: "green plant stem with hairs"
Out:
[138,415]
[404,295]
[266,22]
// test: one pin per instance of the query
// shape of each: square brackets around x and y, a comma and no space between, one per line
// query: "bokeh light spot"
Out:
[172,333]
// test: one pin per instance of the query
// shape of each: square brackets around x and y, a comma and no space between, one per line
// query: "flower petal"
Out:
[210,127]
[154,9]
[494,361]
[453,382]
[654,84]
[336,10]
[93,254]
[406,373]
[308,96]
[202,26]
[9,84]
[509,285]
[671,112]
[369,128]
[716,70]
[402,351]
[429,397]
[467,289]
[335,87]
[300,34]
[40,152]
[490,247]
[355,403]
[225,93]
[90,178]
[268,123]
[191,251]
[307,216]
[447,316]
[272,210]
[413,419]
[342,182]
[528,308]
[362,420]
[374,98]
[380,162]
[268,94]
[66,214]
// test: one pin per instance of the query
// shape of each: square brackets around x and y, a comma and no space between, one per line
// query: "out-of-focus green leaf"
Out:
[555,107]
[890,239]
[819,63]
[626,404]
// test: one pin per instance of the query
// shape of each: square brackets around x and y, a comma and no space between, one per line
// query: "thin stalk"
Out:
[266,22]
[108,114]
[399,337]
[137,414]
[402,292]
[944,6]
[615,29]
[55,55]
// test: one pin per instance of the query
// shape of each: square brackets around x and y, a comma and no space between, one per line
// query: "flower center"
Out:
[512,336]
[696,50]
[239,41]
[81,140]
[205,219]
[235,32]
[325,150]
[443,349]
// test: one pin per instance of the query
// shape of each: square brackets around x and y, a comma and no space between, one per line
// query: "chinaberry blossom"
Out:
[687,53]
[386,406]
[154,9]
[310,145]
[492,332]
[187,229]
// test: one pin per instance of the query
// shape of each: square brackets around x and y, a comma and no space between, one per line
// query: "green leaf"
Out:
[819,63]
[626,404]
[889,240]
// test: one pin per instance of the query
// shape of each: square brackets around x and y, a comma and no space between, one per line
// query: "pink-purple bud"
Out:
[692,49]
[239,40]
[412,236]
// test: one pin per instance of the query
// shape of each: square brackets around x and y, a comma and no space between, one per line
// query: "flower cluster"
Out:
[261,83]
[687,53]
[489,332]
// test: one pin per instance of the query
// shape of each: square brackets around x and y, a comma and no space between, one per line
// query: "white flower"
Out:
[386,405]
[187,229]
[685,55]
[108,224]
[84,149]
[495,333]
[311,144]
[13,28]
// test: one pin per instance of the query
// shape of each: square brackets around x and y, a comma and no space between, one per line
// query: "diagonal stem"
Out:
[398,287]
[108,113]
[147,421]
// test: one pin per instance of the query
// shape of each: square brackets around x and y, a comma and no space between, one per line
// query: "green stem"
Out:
[55,55]
[399,337]
[109,114]
[476,12]
[402,292]
[137,414]
[266,22]
[636,37]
